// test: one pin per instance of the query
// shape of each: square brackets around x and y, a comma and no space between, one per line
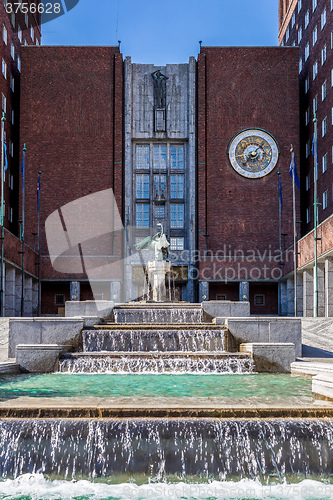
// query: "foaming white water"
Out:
[36,487]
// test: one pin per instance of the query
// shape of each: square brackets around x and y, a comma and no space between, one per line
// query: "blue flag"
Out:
[5,155]
[293,172]
[280,194]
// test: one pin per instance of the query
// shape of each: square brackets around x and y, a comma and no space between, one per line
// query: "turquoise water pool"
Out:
[105,385]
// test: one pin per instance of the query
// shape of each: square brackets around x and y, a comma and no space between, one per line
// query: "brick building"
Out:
[17,29]
[308,24]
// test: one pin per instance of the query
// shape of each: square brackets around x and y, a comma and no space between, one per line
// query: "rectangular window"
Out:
[4,68]
[159,211]
[142,215]
[324,127]
[299,6]
[315,70]
[299,35]
[177,186]
[26,19]
[142,156]
[4,103]
[307,149]
[307,116]
[300,64]
[12,83]
[324,90]
[59,300]
[315,104]
[13,19]
[325,199]
[12,50]
[160,156]
[331,4]
[314,35]
[12,117]
[307,182]
[314,5]
[159,185]
[323,54]
[5,35]
[293,18]
[19,63]
[11,148]
[307,51]
[331,39]
[306,84]
[19,33]
[142,186]
[177,215]
[177,157]
[10,214]
[323,18]
[307,19]
[287,34]
[32,33]
[308,215]
[176,243]
[259,299]
[324,162]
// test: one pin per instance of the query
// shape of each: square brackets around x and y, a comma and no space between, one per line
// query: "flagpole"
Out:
[280,246]
[38,208]
[315,270]
[23,229]
[3,119]
[295,230]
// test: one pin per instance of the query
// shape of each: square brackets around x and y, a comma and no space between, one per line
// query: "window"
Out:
[293,18]
[177,157]
[331,4]
[11,148]
[324,127]
[142,215]
[300,64]
[287,34]
[325,199]
[259,299]
[37,42]
[26,19]
[19,63]
[307,116]
[323,54]
[11,182]
[4,68]
[307,149]
[306,19]
[307,182]
[5,35]
[315,70]
[142,156]
[331,39]
[13,19]
[142,186]
[299,6]
[314,5]
[159,185]
[59,300]
[307,51]
[19,33]
[306,84]
[332,115]
[324,90]
[4,103]
[12,50]
[308,215]
[177,215]
[160,156]
[177,186]
[315,35]
[176,243]
[323,18]
[324,162]
[299,35]
[159,211]
[12,83]
[12,117]
[10,214]
[32,33]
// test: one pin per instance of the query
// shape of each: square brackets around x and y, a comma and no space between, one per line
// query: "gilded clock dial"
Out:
[253,153]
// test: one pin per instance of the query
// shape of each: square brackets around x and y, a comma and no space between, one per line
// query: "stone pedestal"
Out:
[157,270]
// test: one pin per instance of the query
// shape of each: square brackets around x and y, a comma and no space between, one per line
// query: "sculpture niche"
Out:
[159,80]
[157,268]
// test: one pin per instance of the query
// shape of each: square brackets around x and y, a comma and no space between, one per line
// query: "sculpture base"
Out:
[157,270]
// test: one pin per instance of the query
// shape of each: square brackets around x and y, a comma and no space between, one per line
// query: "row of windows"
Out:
[323,205]
[4,71]
[175,243]
[176,214]
[323,20]
[160,156]
[160,185]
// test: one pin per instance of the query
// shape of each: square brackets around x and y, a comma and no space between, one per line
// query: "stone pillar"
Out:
[115,291]
[28,296]
[203,291]
[290,297]
[18,288]
[284,299]
[321,289]
[328,288]
[35,298]
[299,290]
[244,291]
[308,293]
[10,292]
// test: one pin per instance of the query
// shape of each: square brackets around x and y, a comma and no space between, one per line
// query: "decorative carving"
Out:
[159,84]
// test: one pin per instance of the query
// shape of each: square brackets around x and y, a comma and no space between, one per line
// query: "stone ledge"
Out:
[39,358]
[310,368]
[270,357]
[322,387]
[10,368]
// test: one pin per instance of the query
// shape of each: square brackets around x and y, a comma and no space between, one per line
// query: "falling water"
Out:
[158,315]
[159,450]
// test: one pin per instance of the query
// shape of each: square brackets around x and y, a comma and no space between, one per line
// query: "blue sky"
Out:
[158,32]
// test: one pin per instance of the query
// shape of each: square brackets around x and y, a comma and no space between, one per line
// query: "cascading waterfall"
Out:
[224,450]
[158,315]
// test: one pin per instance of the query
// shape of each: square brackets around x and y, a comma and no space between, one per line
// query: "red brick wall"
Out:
[72,124]
[240,88]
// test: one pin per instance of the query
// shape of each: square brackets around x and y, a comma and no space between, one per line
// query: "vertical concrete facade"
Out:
[308,293]
[329,287]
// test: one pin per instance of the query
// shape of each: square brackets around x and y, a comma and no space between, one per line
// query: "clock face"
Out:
[253,153]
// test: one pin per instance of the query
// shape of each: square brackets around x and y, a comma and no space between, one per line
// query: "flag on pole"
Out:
[293,172]
[280,194]
[38,189]
[5,155]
